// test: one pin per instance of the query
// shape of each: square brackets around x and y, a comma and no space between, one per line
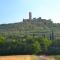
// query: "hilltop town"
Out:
[36,26]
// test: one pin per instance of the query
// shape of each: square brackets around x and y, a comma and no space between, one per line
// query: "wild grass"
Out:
[19,57]
[57,57]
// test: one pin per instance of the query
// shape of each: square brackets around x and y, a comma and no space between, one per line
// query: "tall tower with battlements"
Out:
[30,16]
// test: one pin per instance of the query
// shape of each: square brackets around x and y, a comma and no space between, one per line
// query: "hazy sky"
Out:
[15,10]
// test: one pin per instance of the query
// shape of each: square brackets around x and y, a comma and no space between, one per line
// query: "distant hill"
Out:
[36,25]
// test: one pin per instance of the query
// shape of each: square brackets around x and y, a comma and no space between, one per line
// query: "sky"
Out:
[12,11]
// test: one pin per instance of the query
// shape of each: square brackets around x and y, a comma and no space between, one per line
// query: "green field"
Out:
[57,57]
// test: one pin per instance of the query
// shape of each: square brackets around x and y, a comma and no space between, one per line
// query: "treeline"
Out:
[13,44]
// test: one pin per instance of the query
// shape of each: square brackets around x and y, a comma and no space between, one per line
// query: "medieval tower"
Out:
[30,16]
[29,19]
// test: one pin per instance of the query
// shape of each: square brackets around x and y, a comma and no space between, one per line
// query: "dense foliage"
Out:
[24,45]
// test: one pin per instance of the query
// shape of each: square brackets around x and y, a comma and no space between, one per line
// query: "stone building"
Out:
[30,18]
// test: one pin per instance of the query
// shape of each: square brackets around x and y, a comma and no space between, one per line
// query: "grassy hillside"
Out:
[29,27]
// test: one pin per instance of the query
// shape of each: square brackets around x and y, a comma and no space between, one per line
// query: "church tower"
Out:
[30,16]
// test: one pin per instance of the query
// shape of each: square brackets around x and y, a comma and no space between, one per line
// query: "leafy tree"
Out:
[2,40]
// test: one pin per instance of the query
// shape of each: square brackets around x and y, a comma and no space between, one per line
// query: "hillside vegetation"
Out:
[30,27]
[36,36]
